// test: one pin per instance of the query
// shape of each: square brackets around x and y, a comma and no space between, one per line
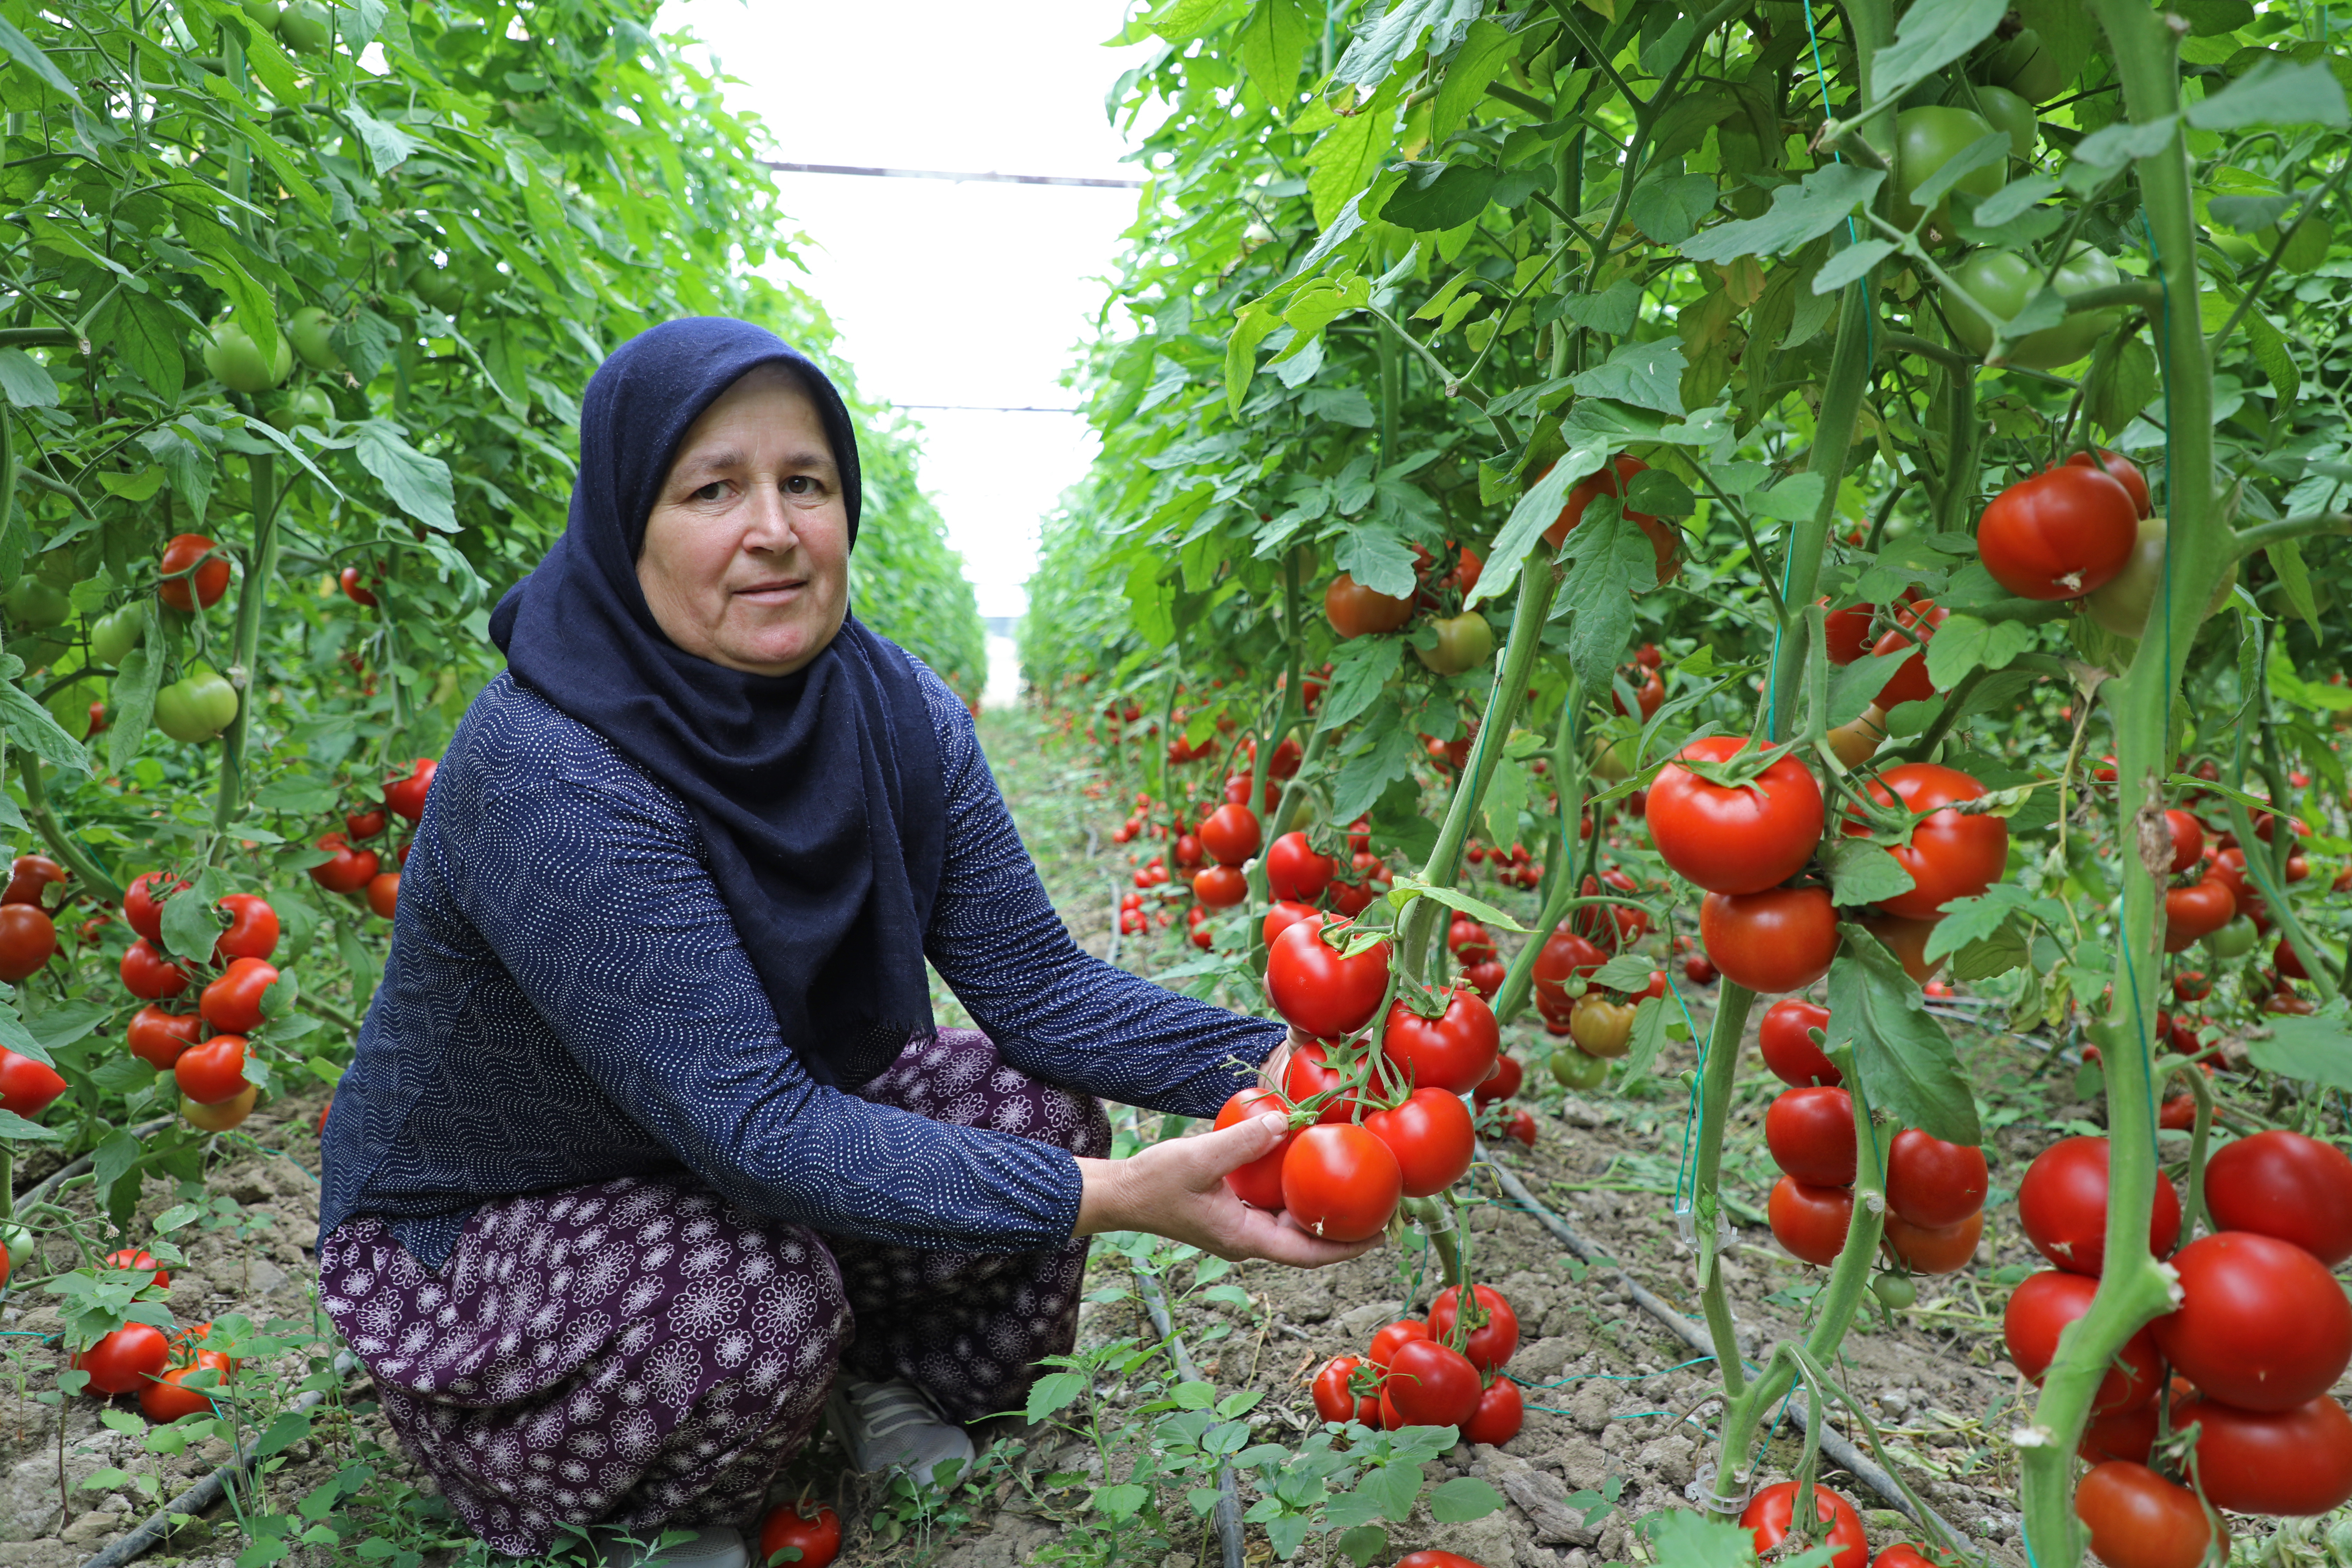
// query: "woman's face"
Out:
[746,556]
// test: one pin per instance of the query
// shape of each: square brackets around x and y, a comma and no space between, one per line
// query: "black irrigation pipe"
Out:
[1840,1449]
[1229,1497]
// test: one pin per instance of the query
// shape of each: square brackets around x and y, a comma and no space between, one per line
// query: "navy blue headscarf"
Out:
[819,793]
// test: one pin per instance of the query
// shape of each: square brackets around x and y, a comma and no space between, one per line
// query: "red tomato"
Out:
[1502,1083]
[2139,1520]
[1188,851]
[405,797]
[233,1003]
[1786,1040]
[1735,840]
[213,1072]
[1259,1183]
[1935,1250]
[1355,610]
[1335,1395]
[1903,1554]
[1279,918]
[1293,870]
[2195,912]
[1308,1074]
[148,975]
[2284,959]
[2262,1323]
[355,588]
[1392,1337]
[1341,1182]
[1699,969]
[1915,625]
[1231,835]
[168,1399]
[817,1536]
[252,928]
[1773,1511]
[157,1038]
[1433,1558]
[185,590]
[2058,534]
[349,869]
[1564,954]
[1950,856]
[125,1360]
[142,907]
[2295,1461]
[1220,886]
[1485,978]
[365,823]
[1649,695]
[1931,1183]
[1777,941]
[139,1261]
[27,1087]
[1469,941]
[1432,1384]
[1846,632]
[2188,839]
[2286,1186]
[2125,472]
[1809,1133]
[1492,1340]
[1810,1221]
[1521,1128]
[30,876]
[1501,1413]
[2119,1435]
[29,939]
[2039,1310]
[1431,1136]
[1663,538]
[383,893]
[1454,1051]
[1316,989]
[2063,1205]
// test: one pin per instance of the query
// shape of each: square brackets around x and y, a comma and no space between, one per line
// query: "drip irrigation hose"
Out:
[1229,1497]
[205,1492]
[1841,1451]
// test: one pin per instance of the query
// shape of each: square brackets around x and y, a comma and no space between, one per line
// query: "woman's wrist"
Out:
[1103,1198]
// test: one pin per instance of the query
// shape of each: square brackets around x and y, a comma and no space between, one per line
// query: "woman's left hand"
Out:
[1178,1190]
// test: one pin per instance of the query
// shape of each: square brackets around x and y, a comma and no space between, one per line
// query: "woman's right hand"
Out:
[1177,1189]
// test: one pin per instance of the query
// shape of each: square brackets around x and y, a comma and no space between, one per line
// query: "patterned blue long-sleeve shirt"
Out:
[566,1001]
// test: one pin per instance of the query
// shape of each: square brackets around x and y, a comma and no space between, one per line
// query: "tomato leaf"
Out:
[1849,265]
[1463,1499]
[1862,872]
[1903,1059]
[1407,888]
[1507,796]
[2315,1049]
[1647,375]
[1537,510]
[1968,919]
[1857,685]
[29,725]
[2003,951]
[15,1129]
[1648,1038]
[1611,561]
[1932,34]
[2274,93]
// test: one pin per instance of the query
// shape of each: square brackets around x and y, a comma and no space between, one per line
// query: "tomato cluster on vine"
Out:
[1445,1370]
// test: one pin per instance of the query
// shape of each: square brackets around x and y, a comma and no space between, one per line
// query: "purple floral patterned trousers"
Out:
[640,1353]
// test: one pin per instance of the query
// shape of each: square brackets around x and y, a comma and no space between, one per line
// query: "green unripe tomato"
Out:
[2027,70]
[2003,282]
[262,11]
[2009,112]
[310,331]
[2122,603]
[306,406]
[1578,1070]
[2235,940]
[195,707]
[304,27]
[1463,642]
[35,606]
[1924,141]
[440,286]
[1897,1290]
[112,637]
[236,360]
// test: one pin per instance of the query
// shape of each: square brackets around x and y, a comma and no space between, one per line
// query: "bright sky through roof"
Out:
[975,293]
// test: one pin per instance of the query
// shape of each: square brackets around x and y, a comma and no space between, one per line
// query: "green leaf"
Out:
[1796,498]
[1986,956]
[1968,919]
[29,725]
[25,381]
[1344,159]
[1799,214]
[1668,208]
[1463,1499]
[2315,1050]
[388,146]
[1613,310]
[1985,152]
[289,1428]
[1627,972]
[135,684]
[59,1026]
[1537,510]
[2286,560]
[1486,50]
[1272,42]
[1963,643]
[190,926]
[418,484]
[1360,667]
[1931,36]
[1651,1016]
[1647,375]
[2274,93]
[1252,323]
[1477,909]
[1682,1538]
[1180,21]
[1612,561]
[1195,1396]
[146,333]
[1121,1501]
[1397,33]
[2124,384]
[1364,1544]
[2014,199]
[1055,1391]
[26,53]
[1862,872]
[1850,265]
[1507,796]
[113,1158]
[1902,1057]
[15,1129]
[1439,197]
[1856,686]
[1364,776]
[1393,1488]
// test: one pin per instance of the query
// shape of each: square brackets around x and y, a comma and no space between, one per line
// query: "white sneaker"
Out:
[891,1426]
[718,1546]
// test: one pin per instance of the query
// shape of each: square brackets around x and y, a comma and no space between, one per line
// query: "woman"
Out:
[649,1132]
